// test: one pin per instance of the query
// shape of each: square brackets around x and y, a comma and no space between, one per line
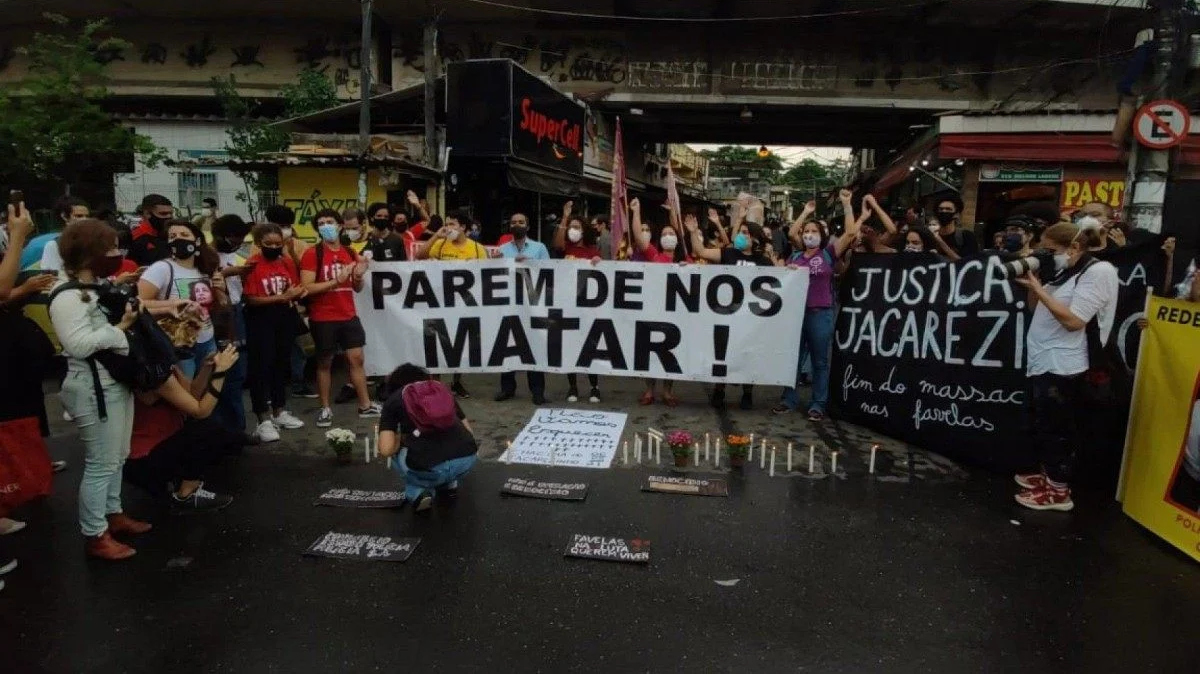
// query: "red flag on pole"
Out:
[673,194]
[618,214]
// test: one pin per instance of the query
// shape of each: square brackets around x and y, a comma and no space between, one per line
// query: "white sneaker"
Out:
[325,418]
[287,421]
[368,412]
[10,526]
[267,432]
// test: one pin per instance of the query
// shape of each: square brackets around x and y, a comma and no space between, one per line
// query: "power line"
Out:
[741,19]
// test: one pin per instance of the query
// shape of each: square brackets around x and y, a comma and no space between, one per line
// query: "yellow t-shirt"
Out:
[465,249]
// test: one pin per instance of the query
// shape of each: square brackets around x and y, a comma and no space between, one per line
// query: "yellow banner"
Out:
[1161,486]
[307,190]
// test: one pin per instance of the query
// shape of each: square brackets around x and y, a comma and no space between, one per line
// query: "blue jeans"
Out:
[816,338]
[231,407]
[200,353]
[105,443]
[417,481]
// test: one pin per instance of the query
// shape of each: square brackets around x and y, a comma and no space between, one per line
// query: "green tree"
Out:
[250,135]
[736,161]
[52,124]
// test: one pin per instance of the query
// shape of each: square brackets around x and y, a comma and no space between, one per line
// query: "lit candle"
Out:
[507,451]
[762,454]
[717,459]
[811,450]
[367,449]
[772,462]
[789,459]
[696,454]
[625,453]
[833,463]
[637,448]
[871,469]
[707,446]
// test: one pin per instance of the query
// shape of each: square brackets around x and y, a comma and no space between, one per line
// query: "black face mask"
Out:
[381,223]
[157,222]
[182,249]
[945,218]
[227,245]
[270,254]
[1013,243]
[343,238]
[519,232]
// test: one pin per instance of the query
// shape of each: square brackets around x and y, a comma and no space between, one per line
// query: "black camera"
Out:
[114,298]
[1041,263]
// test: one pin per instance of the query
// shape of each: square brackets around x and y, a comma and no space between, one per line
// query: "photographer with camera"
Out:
[1073,315]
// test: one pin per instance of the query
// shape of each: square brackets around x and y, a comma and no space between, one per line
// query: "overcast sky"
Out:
[791,154]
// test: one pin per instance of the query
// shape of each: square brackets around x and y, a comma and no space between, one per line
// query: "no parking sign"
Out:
[1162,124]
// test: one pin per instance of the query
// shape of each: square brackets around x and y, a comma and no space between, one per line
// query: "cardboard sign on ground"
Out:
[559,491]
[609,549]
[358,498]
[672,484]
[363,547]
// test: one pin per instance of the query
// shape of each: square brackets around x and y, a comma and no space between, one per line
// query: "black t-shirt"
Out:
[388,249]
[737,257]
[962,242]
[427,450]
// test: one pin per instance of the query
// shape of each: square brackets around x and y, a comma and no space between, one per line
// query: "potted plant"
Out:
[680,442]
[341,441]
[739,445]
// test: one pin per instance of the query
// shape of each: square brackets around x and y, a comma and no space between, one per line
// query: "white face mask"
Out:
[287,232]
[811,240]
[354,234]
[452,235]
[206,212]
[935,228]
[575,235]
[669,242]
[1061,260]
[912,248]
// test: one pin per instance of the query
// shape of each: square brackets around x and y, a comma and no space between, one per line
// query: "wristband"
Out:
[218,375]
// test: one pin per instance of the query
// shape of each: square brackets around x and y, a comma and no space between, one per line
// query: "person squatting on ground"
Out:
[332,274]
[1082,297]
[426,428]
[271,291]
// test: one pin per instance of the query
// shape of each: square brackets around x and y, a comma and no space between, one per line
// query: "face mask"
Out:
[157,222]
[107,265]
[287,232]
[1013,242]
[934,229]
[1061,260]
[741,242]
[945,218]
[575,235]
[669,242]
[272,253]
[206,212]
[912,248]
[226,245]
[645,236]
[381,223]
[811,240]
[519,231]
[452,235]
[354,234]
[328,233]
[182,249]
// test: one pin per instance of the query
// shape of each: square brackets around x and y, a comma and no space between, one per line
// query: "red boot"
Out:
[105,546]
[120,523]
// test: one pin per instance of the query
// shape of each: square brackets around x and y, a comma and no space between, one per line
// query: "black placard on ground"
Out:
[609,549]
[694,486]
[560,491]
[358,498]
[362,546]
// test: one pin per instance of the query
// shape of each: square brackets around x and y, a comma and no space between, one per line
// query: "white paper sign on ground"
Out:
[574,438]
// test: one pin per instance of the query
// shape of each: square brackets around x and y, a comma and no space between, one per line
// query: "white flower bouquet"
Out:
[340,440]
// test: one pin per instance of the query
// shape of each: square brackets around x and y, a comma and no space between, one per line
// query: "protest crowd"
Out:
[164,324]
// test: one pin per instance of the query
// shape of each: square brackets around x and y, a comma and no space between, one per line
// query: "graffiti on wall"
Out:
[669,75]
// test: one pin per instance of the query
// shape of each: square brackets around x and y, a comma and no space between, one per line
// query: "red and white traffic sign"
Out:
[1162,124]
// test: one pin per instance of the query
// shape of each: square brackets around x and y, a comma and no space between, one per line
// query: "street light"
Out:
[763,152]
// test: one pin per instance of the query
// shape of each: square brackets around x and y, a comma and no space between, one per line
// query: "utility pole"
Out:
[431,74]
[364,112]
[1154,166]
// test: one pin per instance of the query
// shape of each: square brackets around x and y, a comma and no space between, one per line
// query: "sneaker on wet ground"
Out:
[594,396]
[572,396]
[267,432]
[1030,480]
[285,420]
[58,466]
[201,500]
[325,418]
[1047,498]
[368,412]
[423,502]
[459,390]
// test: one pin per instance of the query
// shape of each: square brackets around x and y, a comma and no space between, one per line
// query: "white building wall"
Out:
[182,139]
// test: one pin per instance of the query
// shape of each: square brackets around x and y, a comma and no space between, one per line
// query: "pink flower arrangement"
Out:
[680,439]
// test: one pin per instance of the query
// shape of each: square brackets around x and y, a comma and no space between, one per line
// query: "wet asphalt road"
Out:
[918,569]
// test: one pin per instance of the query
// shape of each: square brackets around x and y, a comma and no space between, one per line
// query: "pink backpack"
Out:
[430,406]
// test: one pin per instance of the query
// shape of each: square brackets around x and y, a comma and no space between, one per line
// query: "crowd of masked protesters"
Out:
[238,300]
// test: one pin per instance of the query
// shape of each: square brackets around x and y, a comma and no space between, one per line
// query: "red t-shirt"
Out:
[151,425]
[334,305]
[127,267]
[269,279]
[652,254]
[576,251]
[504,238]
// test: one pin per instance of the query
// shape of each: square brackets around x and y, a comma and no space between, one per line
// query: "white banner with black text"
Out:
[729,324]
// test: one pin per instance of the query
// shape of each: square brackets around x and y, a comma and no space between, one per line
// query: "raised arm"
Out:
[797,229]
[715,219]
[19,229]
[560,233]
[852,226]
[635,232]
[871,205]
[415,201]
[698,248]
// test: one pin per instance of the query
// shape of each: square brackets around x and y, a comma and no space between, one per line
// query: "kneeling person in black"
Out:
[430,459]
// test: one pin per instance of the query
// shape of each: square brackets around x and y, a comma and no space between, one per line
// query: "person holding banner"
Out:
[667,251]
[577,242]
[1081,299]
[817,254]
[521,248]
